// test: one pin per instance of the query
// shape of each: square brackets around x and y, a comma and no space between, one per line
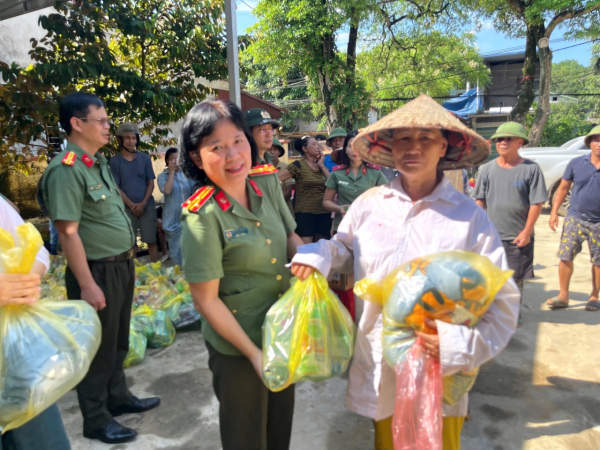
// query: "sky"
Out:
[488,39]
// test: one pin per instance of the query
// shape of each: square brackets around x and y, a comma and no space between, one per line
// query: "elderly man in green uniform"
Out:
[335,140]
[96,236]
[262,126]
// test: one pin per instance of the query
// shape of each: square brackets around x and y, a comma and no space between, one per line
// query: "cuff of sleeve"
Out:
[309,255]
[205,275]
[453,347]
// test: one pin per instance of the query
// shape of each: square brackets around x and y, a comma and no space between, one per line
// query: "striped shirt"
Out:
[310,188]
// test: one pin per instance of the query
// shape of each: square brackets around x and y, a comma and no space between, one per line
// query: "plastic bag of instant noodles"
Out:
[307,335]
[457,287]
[46,348]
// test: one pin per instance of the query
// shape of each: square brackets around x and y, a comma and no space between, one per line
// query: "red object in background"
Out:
[472,182]
[347,299]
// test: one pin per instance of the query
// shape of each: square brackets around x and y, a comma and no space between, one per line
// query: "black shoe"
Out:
[136,405]
[113,433]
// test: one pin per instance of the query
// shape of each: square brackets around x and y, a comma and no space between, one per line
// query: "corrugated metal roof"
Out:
[14,8]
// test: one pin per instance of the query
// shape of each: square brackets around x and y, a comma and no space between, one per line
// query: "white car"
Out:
[553,162]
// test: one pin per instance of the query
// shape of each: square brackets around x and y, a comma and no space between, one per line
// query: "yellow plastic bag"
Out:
[137,346]
[45,348]
[456,287]
[157,327]
[180,309]
[307,335]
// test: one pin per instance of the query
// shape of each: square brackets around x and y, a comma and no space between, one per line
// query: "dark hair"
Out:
[169,153]
[344,159]
[321,137]
[302,142]
[76,104]
[199,123]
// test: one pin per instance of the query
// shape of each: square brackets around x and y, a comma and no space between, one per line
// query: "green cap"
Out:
[126,128]
[511,129]
[336,132]
[593,132]
[278,144]
[258,116]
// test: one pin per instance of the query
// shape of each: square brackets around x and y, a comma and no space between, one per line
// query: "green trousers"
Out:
[104,386]
[250,416]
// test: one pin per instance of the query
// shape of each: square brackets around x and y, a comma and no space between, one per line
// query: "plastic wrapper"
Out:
[155,325]
[137,346]
[161,291]
[307,335]
[180,309]
[53,291]
[418,402]
[46,347]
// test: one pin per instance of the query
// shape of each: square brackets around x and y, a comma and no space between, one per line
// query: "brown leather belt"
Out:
[129,254]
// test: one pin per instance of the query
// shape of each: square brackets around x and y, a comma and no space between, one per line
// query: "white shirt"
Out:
[383,229]
[10,220]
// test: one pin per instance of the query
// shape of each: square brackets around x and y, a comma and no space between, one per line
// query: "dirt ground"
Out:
[541,393]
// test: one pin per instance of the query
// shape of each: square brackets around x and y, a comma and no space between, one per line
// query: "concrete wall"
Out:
[506,80]
[15,34]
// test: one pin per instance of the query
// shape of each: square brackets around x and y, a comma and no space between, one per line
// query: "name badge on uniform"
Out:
[343,182]
[95,187]
[242,231]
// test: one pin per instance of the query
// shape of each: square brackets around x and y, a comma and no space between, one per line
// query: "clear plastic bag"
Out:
[155,325]
[307,335]
[180,309]
[137,346]
[46,348]
[417,421]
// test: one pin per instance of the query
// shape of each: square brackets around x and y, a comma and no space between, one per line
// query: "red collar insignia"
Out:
[87,160]
[69,158]
[256,188]
[374,166]
[222,201]
[265,169]
[200,197]
[340,167]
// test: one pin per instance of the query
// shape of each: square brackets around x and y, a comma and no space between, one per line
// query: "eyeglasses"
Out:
[507,139]
[103,122]
[266,130]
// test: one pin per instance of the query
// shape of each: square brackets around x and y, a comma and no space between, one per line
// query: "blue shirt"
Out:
[182,189]
[585,197]
[327,162]
[132,176]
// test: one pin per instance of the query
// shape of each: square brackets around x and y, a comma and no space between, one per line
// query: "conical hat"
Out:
[465,147]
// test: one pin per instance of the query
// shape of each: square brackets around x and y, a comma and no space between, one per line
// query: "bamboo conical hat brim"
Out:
[465,147]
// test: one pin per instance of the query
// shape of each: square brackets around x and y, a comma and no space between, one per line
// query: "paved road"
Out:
[541,393]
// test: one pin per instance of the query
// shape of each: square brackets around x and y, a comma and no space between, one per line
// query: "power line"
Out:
[247,5]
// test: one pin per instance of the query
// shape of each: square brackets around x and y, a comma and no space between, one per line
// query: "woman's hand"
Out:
[19,288]
[430,342]
[343,209]
[302,271]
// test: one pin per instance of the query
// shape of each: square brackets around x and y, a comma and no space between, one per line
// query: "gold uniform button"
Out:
[258,224]
[274,260]
[234,311]
[103,197]
[278,277]
[268,241]
[279,296]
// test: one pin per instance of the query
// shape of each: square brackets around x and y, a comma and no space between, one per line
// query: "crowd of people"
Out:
[235,215]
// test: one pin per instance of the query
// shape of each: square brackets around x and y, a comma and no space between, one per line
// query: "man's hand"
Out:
[19,288]
[553,221]
[94,296]
[430,342]
[138,209]
[301,271]
[257,363]
[522,239]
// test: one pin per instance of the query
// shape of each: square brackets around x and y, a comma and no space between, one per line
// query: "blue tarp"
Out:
[465,104]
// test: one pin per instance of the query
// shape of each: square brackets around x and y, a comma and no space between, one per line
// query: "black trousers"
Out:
[104,386]
[250,416]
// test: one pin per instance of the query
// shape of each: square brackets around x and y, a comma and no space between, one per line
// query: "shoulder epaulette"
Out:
[69,158]
[198,199]
[340,167]
[374,166]
[265,169]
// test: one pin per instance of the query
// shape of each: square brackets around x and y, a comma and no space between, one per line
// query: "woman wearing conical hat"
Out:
[417,214]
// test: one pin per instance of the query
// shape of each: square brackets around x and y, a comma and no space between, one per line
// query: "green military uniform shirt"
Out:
[245,249]
[80,188]
[267,160]
[349,187]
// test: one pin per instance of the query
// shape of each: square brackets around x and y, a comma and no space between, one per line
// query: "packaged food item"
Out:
[307,335]
[137,346]
[155,325]
[180,309]
[46,348]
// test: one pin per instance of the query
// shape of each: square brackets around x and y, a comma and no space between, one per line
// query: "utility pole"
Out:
[233,62]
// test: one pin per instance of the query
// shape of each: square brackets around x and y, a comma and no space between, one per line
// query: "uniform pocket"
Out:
[249,308]
[100,198]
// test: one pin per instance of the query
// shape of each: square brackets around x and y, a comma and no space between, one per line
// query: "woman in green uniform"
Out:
[310,174]
[349,180]
[237,236]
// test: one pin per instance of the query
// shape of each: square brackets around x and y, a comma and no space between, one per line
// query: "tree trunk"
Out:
[351,60]
[325,82]
[527,94]
[543,110]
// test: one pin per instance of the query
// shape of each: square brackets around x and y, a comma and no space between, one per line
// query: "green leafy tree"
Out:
[536,20]
[143,57]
